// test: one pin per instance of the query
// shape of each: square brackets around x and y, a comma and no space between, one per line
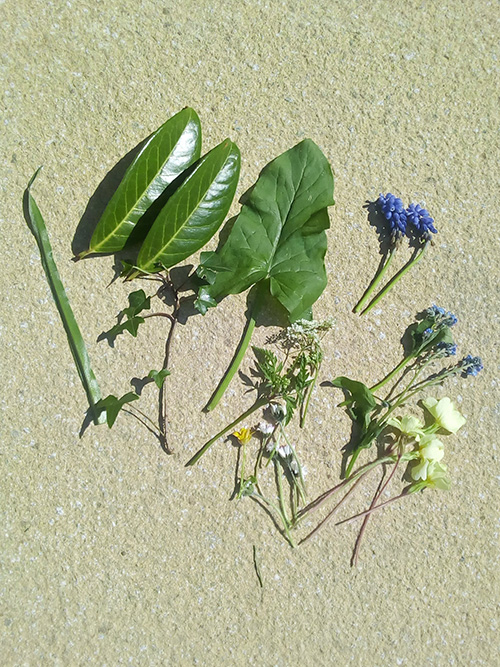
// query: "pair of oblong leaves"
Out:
[191,215]
[278,236]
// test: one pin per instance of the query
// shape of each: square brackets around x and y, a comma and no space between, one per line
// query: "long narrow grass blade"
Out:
[76,343]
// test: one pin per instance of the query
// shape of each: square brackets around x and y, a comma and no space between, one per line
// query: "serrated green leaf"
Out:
[166,154]
[75,339]
[279,234]
[112,405]
[194,212]
[159,376]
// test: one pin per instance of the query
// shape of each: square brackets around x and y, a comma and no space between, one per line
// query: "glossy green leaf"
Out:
[76,343]
[159,376]
[194,212]
[112,405]
[165,155]
[279,234]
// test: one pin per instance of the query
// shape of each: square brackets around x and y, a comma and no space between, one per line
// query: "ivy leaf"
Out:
[194,212]
[363,401]
[279,235]
[165,155]
[159,376]
[112,405]
[138,301]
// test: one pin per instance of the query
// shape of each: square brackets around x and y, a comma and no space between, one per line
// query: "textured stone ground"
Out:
[113,553]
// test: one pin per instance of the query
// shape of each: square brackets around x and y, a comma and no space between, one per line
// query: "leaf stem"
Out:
[416,257]
[375,282]
[258,404]
[240,352]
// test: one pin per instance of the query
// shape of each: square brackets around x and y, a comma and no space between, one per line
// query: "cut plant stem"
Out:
[373,509]
[394,372]
[417,256]
[258,404]
[242,348]
[375,282]
[305,406]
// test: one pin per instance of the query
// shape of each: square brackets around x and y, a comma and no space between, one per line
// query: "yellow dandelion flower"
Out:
[244,435]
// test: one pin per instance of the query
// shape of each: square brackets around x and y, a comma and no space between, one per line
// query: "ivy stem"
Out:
[168,343]
[416,257]
[258,404]
[375,282]
[240,352]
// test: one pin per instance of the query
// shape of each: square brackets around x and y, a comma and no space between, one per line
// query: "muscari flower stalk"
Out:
[393,210]
[401,221]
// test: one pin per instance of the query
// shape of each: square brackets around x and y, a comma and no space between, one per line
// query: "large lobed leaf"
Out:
[76,343]
[166,154]
[279,235]
[194,212]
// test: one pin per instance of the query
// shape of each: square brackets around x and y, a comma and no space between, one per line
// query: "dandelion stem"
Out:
[258,404]
[417,256]
[375,282]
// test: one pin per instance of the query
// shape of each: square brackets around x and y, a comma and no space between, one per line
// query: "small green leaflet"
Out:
[159,376]
[112,405]
[166,154]
[138,301]
[279,235]
[194,212]
[76,343]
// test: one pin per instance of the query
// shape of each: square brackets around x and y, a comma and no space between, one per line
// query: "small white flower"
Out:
[445,413]
[284,451]
[265,428]
[270,446]
[294,467]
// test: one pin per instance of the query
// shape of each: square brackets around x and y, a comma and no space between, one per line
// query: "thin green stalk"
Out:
[394,372]
[258,404]
[305,406]
[375,282]
[242,473]
[240,352]
[416,258]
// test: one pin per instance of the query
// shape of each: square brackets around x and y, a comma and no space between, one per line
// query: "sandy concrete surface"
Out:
[113,553]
